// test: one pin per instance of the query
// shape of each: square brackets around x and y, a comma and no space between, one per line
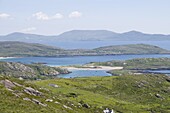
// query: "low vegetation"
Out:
[129,93]
[123,94]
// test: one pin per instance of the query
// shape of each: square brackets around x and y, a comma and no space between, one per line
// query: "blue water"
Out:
[159,71]
[95,44]
[85,73]
[63,61]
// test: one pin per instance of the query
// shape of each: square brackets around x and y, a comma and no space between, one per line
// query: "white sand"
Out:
[105,68]
[6,57]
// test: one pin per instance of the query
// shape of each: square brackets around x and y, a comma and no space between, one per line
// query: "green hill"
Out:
[20,49]
[131,49]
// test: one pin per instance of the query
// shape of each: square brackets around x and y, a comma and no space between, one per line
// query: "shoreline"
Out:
[62,56]
[99,68]
[1,58]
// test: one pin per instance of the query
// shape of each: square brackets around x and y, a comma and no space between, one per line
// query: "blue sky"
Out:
[51,17]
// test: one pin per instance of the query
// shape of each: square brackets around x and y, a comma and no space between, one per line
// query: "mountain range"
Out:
[86,35]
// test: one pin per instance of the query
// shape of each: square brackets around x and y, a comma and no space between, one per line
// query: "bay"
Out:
[85,73]
[64,61]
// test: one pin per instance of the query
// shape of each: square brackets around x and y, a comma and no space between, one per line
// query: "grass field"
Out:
[130,93]
[144,93]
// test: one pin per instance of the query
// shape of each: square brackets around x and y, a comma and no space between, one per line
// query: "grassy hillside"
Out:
[22,97]
[20,49]
[123,94]
[26,49]
[131,49]
[143,93]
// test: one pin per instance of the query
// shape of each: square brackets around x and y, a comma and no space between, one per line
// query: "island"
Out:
[135,66]
[21,49]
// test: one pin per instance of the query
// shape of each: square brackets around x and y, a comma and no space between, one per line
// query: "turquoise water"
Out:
[63,61]
[85,73]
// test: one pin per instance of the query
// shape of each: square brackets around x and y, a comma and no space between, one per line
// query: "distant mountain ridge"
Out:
[24,37]
[86,35]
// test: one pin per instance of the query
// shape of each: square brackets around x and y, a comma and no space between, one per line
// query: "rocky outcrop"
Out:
[141,83]
[50,71]
[54,85]
[49,100]
[29,71]
[27,99]
[167,79]
[16,70]
[63,71]
[86,105]
[38,102]
[19,67]
[158,95]
[67,107]
[8,84]
[32,91]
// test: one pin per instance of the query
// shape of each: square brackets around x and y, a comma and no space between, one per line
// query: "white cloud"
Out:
[57,16]
[43,16]
[75,14]
[29,29]
[4,16]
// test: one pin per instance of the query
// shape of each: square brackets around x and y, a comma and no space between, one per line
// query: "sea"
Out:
[79,60]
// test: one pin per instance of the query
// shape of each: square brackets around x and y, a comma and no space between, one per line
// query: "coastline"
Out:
[84,55]
[102,68]
[1,58]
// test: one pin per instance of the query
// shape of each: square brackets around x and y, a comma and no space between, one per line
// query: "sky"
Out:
[52,17]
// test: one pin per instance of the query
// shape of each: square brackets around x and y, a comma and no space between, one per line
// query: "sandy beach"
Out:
[6,57]
[105,68]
